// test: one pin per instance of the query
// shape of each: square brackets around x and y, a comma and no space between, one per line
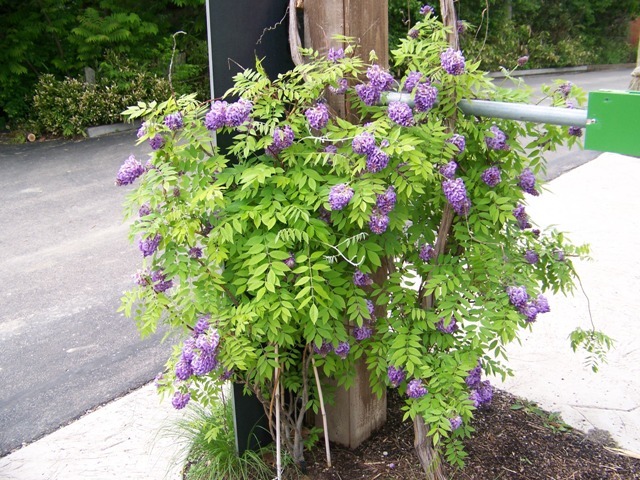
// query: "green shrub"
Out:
[67,107]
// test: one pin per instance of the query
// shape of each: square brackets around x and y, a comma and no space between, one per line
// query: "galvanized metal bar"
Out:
[511,111]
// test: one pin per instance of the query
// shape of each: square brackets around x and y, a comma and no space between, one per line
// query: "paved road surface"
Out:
[65,262]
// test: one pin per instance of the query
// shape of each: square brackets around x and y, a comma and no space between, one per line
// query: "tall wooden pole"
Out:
[357,412]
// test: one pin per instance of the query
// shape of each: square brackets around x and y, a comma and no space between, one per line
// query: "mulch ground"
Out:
[513,441]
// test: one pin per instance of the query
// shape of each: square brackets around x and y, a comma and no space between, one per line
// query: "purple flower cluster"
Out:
[575,131]
[149,245]
[142,131]
[129,171]
[144,210]
[318,116]
[174,121]
[180,400]
[522,60]
[452,327]
[415,389]
[519,298]
[290,262]
[363,332]
[330,149]
[386,201]
[160,282]
[378,222]
[361,279]
[342,350]
[364,143]
[565,89]
[448,170]
[377,160]
[527,182]
[324,349]
[497,140]
[456,194]
[521,217]
[379,80]
[452,61]
[414,33]
[156,142]
[482,395]
[228,114]
[396,375]
[282,138]
[474,376]
[491,176]
[459,141]
[339,196]
[425,97]
[343,84]
[412,80]
[426,9]
[531,256]
[335,54]
[455,422]
[400,113]
[427,252]
[195,252]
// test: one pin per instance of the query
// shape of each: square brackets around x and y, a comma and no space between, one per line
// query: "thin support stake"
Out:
[324,413]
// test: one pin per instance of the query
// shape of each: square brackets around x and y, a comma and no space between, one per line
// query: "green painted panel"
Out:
[613,122]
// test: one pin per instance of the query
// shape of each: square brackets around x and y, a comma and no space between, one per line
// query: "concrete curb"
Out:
[93,132]
[578,69]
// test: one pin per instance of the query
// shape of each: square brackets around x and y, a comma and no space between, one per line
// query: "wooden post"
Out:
[357,412]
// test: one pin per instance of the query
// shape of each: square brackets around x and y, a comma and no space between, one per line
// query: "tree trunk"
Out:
[428,456]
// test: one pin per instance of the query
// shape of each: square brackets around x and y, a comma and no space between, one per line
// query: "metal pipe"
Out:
[511,111]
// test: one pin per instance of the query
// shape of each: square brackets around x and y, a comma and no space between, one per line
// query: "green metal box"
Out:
[613,122]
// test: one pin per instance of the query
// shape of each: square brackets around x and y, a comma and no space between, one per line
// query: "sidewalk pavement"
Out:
[595,203]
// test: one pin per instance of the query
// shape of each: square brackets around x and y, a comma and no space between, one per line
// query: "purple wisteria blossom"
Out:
[455,422]
[396,375]
[427,252]
[414,33]
[156,142]
[361,279]
[283,137]
[343,84]
[542,304]
[144,210]
[368,94]
[141,278]
[335,54]
[342,350]
[452,61]
[448,170]
[183,370]
[330,149]
[377,160]
[400,113]
[142,131]
[461,26]
[378,222]
[497,139]
[531,256]
[575,131]
[174,121]
[473,376]
[412,80]
[456,194]
[521,217]
[195,252]
[518,296]
[565,89]
[148,245]
[452,327]
[160,282]
[386,201]
[318,116]
[371,309]
[426,9]
[482,395]
[559,254]
[238,113]
[226,375]
[459,141]
[415,389]
[290,262]
[339,196]
[530,312]
[180,400]
[527,182]
[129,171]
[203,363]
[216,118]
[364,143]
[425,97]
[492,176]
[323,349]
[363,332]
[379,78]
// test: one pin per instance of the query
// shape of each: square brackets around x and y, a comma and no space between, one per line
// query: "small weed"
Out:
[551,420]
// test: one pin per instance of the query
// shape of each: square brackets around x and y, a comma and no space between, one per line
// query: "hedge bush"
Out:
[67,107]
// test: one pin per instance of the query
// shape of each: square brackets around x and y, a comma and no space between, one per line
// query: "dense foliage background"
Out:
[120,39]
